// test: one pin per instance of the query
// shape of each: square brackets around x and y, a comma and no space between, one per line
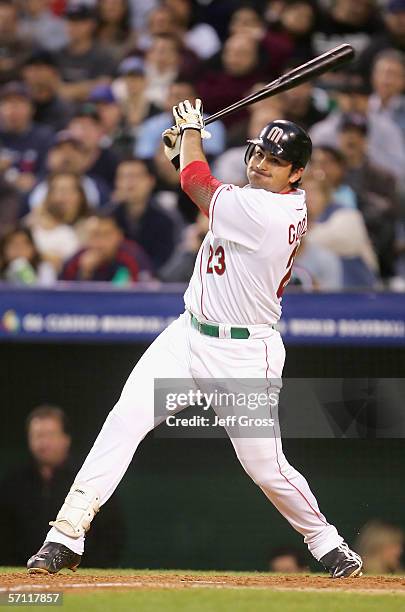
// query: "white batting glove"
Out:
[188,116]
[171,139]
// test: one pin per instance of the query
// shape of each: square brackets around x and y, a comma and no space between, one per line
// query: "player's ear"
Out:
[295,175]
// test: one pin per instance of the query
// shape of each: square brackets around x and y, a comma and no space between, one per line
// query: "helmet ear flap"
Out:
[249,152]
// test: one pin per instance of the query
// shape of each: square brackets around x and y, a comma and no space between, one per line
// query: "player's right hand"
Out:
[171,140]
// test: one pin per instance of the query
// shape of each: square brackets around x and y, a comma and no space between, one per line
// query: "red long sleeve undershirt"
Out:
[198,183]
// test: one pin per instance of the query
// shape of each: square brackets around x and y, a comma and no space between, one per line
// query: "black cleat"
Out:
[51,558]
[342,562]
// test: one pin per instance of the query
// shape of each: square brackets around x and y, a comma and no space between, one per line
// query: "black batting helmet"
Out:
[284,139]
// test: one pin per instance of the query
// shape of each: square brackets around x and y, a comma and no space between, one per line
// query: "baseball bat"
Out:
[305,72]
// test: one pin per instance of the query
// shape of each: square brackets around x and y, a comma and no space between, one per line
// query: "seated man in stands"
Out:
[139,215]
[107,256]
[25,143]
[330,163]
[376,189]
[83,63]
[342,231]
[43,481]
[67,154]
[100,159]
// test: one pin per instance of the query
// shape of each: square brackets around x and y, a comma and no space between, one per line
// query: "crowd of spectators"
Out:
[87,87]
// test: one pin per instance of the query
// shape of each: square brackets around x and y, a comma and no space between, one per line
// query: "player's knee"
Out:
[263,473]
[126,421]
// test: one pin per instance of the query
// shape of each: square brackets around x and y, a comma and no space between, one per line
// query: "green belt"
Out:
[237,333]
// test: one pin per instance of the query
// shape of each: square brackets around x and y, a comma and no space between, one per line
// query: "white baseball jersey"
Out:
[247,255]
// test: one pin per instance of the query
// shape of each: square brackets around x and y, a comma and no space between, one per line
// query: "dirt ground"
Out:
[71,581]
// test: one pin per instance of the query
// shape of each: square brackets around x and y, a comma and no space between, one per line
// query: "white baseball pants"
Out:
[181,352]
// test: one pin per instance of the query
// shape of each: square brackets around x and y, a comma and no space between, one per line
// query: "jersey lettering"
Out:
[296,233]
[291,234]
[287,276]
[219,266]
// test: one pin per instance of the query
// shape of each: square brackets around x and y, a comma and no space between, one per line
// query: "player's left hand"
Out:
[188,116]
[171,141]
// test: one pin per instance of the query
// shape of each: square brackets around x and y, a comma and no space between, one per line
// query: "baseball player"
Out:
[226,332]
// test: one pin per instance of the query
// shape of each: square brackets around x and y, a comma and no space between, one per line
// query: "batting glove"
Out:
[171,140]
[188,117]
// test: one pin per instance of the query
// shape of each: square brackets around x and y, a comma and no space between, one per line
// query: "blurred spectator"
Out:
[198,36]
[240,70]
[112,118]
[24,142]
[14,48]
[67,154]
[42,78]
[375,189]
[386,146]
[57,225]
[292,32]
[342,231]
[305,105]
[44,481]
[20,261]
[130,89]
[114,27]
[388,80]
[317,268]
[87,128]
[219,14]
[66,197]
[177,18]
[347,21]
[381,546]
[139,12]
[83,63]
[41,26]
[180,266]
[248,21]
[162,67]
[160,20]
[329,163]
[106,256]
[277,43]
[138,215]
[150,131]
[392,36]
[287,560]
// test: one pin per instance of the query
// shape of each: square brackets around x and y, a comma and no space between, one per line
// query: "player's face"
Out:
[266,171]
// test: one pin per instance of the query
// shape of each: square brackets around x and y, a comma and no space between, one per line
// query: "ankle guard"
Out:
[81,505]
